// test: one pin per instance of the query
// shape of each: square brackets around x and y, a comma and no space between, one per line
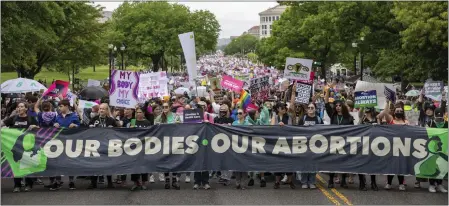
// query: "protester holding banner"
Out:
[22,121]
[104,119]
[47,117]
[241,177]
[67,119]
[368,117]
[308,180]
[398,118]
[167,117]
[339,115]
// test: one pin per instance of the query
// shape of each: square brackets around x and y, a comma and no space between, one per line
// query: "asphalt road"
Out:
[228,195]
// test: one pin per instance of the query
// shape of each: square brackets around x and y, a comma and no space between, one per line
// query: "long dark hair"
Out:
[163,115]
[344,109]
[396,106]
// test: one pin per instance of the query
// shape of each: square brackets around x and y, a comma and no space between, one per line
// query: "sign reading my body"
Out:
[124,86]
[221,143]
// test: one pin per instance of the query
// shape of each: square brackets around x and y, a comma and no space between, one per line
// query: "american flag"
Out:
[390,94]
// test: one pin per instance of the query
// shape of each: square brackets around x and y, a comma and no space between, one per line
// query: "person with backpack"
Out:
[308,180]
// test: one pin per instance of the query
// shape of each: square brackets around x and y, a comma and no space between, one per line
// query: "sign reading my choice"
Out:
[123,92]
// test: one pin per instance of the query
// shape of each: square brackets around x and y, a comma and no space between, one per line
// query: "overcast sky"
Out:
[234,17]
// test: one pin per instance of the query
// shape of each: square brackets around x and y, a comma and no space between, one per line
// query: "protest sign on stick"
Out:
[434,90]
[298,69]
[124,88]
[365,99]
[58,88]
[259,88]
[303,92]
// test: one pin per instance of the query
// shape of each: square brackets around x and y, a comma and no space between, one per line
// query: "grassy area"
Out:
[101,73]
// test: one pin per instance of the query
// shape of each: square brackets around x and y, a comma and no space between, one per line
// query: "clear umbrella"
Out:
[412,93]
[21,85]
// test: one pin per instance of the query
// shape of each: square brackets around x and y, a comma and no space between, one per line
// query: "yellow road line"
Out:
[329,196]
[336,192]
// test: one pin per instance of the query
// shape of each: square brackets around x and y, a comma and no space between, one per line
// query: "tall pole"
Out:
[110,65]
[361,66]
[355,64]
[123,64]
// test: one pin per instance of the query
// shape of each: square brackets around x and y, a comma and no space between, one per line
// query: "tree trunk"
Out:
[28,73]
[156,60]
[94,68]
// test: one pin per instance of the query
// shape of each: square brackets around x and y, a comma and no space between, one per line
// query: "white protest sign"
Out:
[153,85]
[298,69]
[83,104]
[303,92]
[124,88]
[93,83]
[71,97]
[412,117]
[188,47]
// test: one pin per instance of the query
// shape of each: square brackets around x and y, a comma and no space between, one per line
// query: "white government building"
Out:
[267,18]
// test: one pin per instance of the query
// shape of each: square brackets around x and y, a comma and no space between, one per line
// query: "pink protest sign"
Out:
[230,83]
[310,81]
[58,87]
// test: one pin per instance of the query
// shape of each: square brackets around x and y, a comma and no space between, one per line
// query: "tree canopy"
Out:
[243,44]
[150,30]
[395,38]
[51,34]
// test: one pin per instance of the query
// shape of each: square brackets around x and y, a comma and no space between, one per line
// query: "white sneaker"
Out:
[441,189]
[161,177]
[312,186]
[387,187]
[432,189]
[187,178]
[151,179]
[206,186]
[196,186]
[284,179]
[305,186]
[417,185]
[402,187]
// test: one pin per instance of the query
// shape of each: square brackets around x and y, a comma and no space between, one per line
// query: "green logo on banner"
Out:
[434,166]
[19,84]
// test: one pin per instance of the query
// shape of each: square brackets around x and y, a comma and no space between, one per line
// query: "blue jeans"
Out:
[308,178]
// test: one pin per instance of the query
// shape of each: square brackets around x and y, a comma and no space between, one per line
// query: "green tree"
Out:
[37,34]
[151,29]
[242,44]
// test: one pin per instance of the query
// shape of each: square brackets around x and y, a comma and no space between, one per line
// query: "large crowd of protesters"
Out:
[32,111]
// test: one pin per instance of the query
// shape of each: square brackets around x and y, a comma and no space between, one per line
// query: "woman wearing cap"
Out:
[398,118]
[168,117]
[338,115]
[437,121]
[367,117]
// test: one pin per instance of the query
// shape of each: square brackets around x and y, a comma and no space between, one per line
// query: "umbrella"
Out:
[21,85]
[93,93]
[181,90]
[412,93]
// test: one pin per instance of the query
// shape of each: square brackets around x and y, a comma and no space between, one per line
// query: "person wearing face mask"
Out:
[103,120]
[21,121]
[168,117]
[338,115]
[308,180]
[398,118]
[437,121]
[128,116]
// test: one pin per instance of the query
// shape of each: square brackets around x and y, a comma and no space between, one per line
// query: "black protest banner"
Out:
[303,92]
[391,149]
[259,88]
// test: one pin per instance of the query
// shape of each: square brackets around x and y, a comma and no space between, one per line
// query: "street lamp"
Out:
[354,45]
[361,60]
[122,49]
[110,47]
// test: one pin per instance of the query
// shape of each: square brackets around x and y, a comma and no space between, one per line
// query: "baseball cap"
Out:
[439,112]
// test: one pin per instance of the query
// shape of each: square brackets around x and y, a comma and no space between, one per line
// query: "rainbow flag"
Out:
[245,99]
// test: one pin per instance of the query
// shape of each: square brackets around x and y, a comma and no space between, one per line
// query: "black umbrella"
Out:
[93,93]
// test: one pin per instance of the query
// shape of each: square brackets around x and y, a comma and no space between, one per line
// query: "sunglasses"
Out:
[240,113]
[165,107]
